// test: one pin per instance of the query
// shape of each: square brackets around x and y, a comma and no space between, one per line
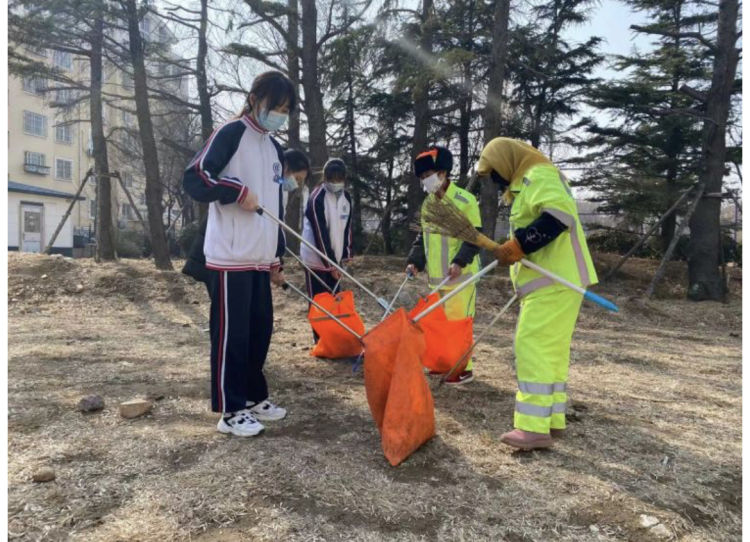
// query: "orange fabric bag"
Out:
[335,342]
[397,390]
[446,340]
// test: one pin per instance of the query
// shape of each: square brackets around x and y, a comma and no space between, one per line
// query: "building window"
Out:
[92,209]
[62,60]
[145,27]
[127,118]
[63,169]
[35,85]
[34,124]
[36,51]
[64,95]
[127,180]
[126,211]
[35,162]
[63,134]
[143,200]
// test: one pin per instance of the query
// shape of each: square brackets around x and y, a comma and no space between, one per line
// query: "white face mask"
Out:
[432,183]
[335,187]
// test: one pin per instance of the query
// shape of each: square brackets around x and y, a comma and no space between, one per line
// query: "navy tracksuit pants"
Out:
[241,326]
[314,287]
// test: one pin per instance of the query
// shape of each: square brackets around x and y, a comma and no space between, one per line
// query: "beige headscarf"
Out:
[511,158]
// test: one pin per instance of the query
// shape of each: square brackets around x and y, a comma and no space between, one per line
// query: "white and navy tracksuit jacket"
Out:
[241,247]
[328,226]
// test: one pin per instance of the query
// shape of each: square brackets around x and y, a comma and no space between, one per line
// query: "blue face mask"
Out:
[288,184]
[272,120]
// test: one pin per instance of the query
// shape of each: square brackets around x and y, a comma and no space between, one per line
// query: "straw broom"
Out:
[444,218]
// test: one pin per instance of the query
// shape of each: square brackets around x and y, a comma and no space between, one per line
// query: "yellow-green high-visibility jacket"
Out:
[440,250]
[544,189]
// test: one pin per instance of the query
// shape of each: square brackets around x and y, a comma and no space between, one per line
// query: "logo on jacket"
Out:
[277,178]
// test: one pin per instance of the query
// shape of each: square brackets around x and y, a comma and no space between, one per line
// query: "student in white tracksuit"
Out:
[328,226]
[239,168]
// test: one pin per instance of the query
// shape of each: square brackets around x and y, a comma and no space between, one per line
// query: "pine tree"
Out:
[650,151]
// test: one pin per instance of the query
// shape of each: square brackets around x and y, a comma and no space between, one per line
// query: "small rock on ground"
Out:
[648,521]
[91,403]
[45,474]
[135,408]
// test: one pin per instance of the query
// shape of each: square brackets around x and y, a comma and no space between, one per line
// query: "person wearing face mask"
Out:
[328,226]
[545,229]
[237,170]
[445,257]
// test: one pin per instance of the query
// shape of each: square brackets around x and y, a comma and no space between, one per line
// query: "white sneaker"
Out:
[242,424]
[266,411]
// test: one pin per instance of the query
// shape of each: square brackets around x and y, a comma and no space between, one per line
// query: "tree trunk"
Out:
[154,189]
[356,183]
[105,230]
[488,199]
[703,252]
[316,122]
[293,214]
[420,95]
[207,123]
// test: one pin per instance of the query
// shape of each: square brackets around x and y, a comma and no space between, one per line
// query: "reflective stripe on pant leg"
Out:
[536,355]
[460,306]
[560,401]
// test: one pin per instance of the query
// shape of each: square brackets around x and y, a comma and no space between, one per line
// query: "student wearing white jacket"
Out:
[239,168]
[328,226]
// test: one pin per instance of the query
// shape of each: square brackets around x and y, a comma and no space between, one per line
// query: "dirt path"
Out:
[655,424]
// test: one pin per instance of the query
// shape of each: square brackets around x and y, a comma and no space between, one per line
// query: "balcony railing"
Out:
[36,168]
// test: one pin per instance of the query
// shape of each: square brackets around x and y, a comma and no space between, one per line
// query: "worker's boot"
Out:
[526,440]
[557,433]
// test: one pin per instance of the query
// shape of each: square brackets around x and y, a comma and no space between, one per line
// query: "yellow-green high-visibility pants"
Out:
[461,306]
[542,349]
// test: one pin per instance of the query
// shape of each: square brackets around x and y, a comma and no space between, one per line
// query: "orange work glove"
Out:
[508,253]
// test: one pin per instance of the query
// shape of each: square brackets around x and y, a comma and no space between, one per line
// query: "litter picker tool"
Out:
[409,276]
[313,273]
[264,212]
[463,358]
[445,218]
[445,281]
[486,269]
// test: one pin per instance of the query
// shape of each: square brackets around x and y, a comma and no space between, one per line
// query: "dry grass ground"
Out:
[655,424]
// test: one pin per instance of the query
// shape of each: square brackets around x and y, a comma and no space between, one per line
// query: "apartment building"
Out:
[50,151]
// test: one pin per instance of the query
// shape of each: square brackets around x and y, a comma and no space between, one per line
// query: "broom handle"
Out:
[586,294]
[447,375]
[328,313]
[485,242]
[313,273]
[263,211]
[456,290]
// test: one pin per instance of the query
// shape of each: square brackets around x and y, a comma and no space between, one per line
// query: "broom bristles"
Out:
[444,218]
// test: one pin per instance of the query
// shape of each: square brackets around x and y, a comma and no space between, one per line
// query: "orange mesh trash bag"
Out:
[446,340]
[334,341]
[397,390]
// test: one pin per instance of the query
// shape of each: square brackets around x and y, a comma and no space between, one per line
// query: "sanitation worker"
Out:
[546,230]
[445,257]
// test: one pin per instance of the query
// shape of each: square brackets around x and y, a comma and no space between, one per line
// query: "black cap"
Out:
[436,158]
